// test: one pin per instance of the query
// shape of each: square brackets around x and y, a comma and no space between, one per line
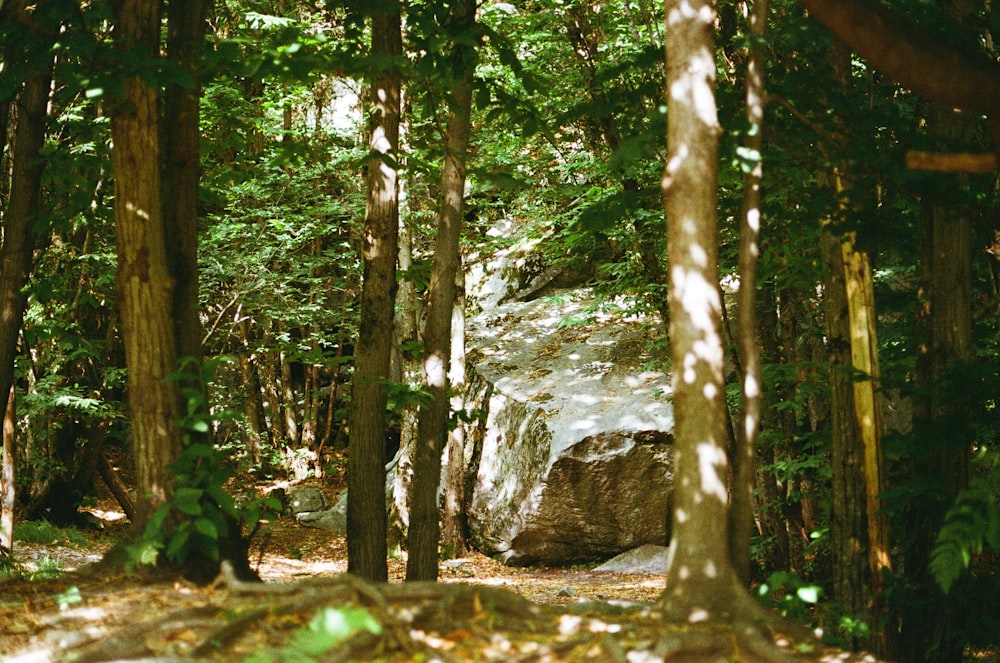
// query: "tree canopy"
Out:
[233,239]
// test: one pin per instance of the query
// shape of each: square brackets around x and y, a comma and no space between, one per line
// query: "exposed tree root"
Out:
[433,621]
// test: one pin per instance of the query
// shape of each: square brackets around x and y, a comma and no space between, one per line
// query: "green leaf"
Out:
[330,627]
[177,547]
[222,497]
[207,528]
[188,500]
[69,597]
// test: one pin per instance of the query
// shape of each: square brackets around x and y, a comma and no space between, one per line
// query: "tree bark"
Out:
[366,508]
[181,148]
[859,533]
[16,252]
[432,426]
[453,521]
[145,287]
[944,320]
[23,205]
[744,456]
[186,24]
[701,582]
[8,476]
[116,486]
[912,56]
[407,339]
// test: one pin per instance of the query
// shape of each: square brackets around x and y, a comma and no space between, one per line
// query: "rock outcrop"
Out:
[571,459]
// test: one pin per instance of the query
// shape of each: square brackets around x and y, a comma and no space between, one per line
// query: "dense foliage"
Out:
[567,150]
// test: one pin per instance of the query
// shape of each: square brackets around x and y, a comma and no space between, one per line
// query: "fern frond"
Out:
[972,523]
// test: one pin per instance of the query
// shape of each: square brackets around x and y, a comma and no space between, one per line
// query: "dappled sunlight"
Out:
[712,458]
[698,615]
[570,356]
[436,370]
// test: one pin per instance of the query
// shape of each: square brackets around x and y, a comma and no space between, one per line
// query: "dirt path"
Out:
[309,609]
[41,617]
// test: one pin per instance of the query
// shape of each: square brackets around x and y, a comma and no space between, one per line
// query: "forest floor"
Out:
[309,609]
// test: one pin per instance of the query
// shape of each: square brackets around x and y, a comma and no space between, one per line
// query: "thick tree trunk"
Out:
[701,582]
[181,149]
[944,321]
[432,427]
[911,56]
[366,509]
[145,286]
[186,24]
[858,449]
[858,530]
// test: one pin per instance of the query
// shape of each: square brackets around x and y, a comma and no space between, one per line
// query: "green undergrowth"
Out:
[44,532]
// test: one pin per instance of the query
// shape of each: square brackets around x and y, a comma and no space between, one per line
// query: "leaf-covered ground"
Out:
[308,609]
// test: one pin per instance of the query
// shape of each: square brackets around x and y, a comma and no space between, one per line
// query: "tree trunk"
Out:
[366,509]
[116,486]
[701,581]
[432,427]
[17,251]
[928,64]
[8,485]
[454,526]
[744,456]
[848,529]
[186,24]
[145,286]
[945,326]
[22,207]
[772,494]
[257,437]
[269,367]
[408,338]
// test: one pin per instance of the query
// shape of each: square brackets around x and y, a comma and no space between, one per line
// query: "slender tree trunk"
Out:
[432,427]
[454,529]
[366,509]
[17,251]
[408,337]
[772,494]
[116,486]
[22,207]
[289,403]
[257,437]
[145,287]
[744,456]
[8,484]
[269,367]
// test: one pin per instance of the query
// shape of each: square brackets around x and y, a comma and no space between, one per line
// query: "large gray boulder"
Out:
[571,460]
